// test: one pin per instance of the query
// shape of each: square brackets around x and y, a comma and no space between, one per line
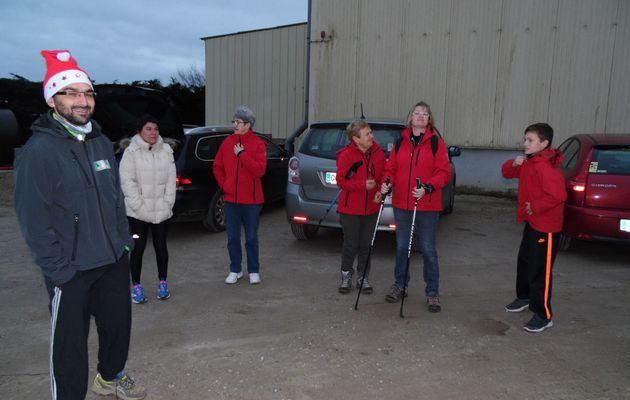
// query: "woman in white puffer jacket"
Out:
[147,175]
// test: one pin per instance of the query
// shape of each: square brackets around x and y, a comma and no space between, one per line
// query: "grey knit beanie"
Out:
[245,114]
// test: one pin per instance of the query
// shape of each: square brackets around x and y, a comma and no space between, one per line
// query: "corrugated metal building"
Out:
[487,67]
[263,69]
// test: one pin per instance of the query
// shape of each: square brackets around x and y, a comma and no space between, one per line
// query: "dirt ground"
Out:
[295,337]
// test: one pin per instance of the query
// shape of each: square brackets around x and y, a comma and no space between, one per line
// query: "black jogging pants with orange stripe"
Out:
[536,256]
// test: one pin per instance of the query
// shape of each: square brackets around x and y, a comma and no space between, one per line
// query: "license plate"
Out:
[624,225]
[331,178]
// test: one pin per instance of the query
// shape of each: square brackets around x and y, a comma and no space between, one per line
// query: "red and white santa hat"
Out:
[63,70]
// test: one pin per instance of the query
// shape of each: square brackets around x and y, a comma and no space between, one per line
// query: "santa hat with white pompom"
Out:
[63,70]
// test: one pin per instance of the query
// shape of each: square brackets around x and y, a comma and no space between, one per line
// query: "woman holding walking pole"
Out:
[420,154]
[358,204]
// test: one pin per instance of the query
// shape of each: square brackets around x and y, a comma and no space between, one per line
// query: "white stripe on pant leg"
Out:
[53,322]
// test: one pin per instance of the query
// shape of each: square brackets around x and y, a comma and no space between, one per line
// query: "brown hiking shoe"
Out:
[394,295]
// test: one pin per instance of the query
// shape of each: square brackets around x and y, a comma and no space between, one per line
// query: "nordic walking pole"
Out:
[367,261]
[350,174]
[413,226]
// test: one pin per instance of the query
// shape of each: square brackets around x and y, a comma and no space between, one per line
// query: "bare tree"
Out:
[193,77]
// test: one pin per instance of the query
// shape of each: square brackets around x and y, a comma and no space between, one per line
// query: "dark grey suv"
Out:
[312,183]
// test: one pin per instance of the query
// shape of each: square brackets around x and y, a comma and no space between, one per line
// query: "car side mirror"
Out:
[454,151]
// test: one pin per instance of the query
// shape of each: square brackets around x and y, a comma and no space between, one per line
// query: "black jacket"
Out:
[68,200]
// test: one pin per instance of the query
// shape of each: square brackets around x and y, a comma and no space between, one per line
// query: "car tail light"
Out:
[577,184]
[294,171]
[392,226]
[182,181]
[300,218]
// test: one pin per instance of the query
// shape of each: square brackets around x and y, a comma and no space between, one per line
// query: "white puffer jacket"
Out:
[147,177]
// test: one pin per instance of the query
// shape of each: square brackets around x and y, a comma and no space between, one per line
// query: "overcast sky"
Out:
[127,40]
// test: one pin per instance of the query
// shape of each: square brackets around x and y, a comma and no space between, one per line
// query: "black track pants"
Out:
[104,293]
[534,269]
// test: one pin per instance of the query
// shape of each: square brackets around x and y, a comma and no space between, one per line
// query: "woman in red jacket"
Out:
[418,155]
[360,166]
[238,167]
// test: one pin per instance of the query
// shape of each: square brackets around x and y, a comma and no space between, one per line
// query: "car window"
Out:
[273,151]
[610,161]
[571,151]
[324,142]
[207,147]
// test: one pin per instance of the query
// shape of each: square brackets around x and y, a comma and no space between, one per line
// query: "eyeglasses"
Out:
[237,122]
[420,114]
[73,94]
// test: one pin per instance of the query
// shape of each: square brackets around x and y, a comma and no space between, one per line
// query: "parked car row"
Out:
[596,168]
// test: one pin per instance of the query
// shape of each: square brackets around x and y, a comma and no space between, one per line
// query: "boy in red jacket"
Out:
[360,167]
[541,197]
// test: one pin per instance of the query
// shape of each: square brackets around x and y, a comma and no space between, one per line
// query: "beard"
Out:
[76,115]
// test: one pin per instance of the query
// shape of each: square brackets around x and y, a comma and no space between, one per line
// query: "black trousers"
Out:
[104,293]
[357,235]
[536,256]
[140,231]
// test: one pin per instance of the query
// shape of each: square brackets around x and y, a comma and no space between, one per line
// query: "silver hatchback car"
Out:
[312,190]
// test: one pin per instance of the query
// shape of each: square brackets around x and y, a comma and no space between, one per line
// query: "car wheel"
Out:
[215,218]
[564,242]
[304,231]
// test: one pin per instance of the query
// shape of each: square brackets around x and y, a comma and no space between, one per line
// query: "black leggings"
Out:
[139,231]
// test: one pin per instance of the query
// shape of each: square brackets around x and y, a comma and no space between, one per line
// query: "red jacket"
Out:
[355,198]
[409,163]
[239,176]
[542,185]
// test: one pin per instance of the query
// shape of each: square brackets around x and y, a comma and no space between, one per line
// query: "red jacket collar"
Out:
[406,133]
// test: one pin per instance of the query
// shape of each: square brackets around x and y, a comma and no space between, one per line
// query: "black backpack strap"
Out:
[397,143]
[435,141]
[434,144]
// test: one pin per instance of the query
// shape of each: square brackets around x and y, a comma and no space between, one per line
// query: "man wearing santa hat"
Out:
[71,211]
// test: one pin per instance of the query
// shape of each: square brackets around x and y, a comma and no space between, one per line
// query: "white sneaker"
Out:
[254,279]
[233,277]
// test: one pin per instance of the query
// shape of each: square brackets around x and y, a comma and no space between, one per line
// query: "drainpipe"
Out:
[288,143]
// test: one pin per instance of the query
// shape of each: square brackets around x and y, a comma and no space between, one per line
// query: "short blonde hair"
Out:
[354,127]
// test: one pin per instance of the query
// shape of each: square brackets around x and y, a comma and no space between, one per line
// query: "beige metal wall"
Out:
[265,70]
[487,67]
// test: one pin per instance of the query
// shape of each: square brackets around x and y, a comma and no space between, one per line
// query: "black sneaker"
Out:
[346,282]
[394,295]
[366,288]
[433,304]
[517,305]
[537,324]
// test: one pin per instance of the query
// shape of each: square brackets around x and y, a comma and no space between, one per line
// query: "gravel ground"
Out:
[295,337]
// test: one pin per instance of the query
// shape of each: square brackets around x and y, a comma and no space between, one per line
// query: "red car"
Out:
[597,172]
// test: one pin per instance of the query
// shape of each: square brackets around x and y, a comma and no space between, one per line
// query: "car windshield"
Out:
[325,141]
[611,161]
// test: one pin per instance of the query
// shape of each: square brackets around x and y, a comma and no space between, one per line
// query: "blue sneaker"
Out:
[137,294]
[163,292]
